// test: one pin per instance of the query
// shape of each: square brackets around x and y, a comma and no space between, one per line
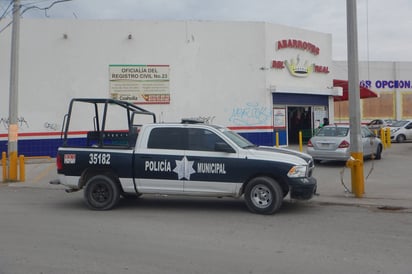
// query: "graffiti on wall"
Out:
[52,126]
[23,123]
[20,120]
[251,114]
[204,119]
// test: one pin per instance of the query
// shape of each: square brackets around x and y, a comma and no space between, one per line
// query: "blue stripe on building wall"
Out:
[300,99]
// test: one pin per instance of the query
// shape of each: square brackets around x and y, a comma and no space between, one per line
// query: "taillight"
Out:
[344,144]
[310,144]
[59,163]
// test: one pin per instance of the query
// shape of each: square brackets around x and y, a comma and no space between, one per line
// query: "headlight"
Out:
[297,171]
[394,130]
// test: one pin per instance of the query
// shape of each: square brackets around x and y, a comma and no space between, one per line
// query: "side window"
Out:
[202,139]
[168,138]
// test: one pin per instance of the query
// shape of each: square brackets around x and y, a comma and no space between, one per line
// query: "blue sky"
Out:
[384,27]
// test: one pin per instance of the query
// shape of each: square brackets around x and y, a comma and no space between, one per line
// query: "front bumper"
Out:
[303,188]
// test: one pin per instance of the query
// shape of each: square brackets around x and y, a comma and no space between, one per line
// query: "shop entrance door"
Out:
[299,119]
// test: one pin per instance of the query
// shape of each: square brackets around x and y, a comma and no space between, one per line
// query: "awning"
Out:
[364,92]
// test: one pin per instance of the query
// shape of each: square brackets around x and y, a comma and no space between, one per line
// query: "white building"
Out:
[254,77]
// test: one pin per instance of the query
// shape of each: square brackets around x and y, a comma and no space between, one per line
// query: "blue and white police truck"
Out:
[113,149]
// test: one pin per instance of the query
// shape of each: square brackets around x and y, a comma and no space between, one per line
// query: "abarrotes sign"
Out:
[297,66]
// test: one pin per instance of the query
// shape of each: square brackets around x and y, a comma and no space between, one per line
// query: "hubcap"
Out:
[100,193]
[261,196]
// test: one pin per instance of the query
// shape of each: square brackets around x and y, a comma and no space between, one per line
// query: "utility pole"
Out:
[13,97]
[356,162]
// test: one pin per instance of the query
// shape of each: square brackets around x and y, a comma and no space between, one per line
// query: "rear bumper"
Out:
[337,155]
[303,189]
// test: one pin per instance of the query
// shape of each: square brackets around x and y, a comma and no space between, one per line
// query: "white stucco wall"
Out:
[215,67]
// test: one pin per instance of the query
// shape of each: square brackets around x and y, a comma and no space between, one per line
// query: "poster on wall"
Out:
[140,84]
[319,112]
[279,117]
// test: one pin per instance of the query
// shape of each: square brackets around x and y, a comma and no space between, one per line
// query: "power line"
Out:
[45,9]
[6,11]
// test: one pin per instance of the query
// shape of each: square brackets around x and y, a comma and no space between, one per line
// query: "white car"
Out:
[331,143]
[401,131]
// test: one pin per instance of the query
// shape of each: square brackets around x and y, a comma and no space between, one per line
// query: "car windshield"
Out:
[236,138]
[333,131]
[399,123]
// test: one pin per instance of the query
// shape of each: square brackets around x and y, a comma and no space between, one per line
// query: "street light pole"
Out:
[356,163]
[13,97]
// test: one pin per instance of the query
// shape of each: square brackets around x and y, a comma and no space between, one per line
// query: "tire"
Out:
[400,139]
[263,195]
[378,154]
[101,193]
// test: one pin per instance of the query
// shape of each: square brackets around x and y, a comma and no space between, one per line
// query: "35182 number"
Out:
[99,159]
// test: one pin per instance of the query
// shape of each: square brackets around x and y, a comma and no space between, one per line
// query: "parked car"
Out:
[332,143]
[401,131]
[389,122]
[377,124]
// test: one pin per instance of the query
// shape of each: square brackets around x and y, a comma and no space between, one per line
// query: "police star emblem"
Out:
[184,168]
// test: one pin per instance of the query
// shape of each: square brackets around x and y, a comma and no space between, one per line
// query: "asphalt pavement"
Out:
[388,182]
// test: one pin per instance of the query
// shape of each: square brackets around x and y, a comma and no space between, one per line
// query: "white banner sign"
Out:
[140,84]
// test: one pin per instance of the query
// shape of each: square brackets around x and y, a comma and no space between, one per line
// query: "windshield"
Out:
[333,131]
[399,123]
[236,138]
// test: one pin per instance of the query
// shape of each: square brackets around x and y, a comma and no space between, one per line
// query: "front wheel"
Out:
[263,195]
[101,193]
[378,154]
[400,139]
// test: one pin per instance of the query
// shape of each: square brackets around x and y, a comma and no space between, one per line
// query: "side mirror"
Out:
[223,147]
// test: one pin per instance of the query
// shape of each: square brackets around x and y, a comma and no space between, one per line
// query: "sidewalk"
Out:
[388,184]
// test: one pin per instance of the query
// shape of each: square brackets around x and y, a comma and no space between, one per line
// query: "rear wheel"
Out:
[101,193]
[263,195]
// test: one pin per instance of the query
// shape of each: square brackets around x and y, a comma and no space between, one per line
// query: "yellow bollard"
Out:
[300,141]
[22,168]
[355,163]
[383,138]
[388,137]
[277,139]
[13,166]
[4,165]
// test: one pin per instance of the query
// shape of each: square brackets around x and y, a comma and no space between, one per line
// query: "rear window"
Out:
[333,131]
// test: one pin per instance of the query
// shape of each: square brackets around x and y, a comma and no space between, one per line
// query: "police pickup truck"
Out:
[111,155]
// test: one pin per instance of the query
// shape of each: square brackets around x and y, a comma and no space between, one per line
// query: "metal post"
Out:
[4,165]
[13,99]
[354,100]
[22,168]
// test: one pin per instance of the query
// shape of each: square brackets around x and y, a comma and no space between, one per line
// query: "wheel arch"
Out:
[279,179]
[91,172]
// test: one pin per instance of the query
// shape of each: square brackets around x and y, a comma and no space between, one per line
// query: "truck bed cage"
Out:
[99,131]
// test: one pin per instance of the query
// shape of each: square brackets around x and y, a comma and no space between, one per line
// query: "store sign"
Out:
[295,65]
[298,44]
[386,84]
[140,84]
